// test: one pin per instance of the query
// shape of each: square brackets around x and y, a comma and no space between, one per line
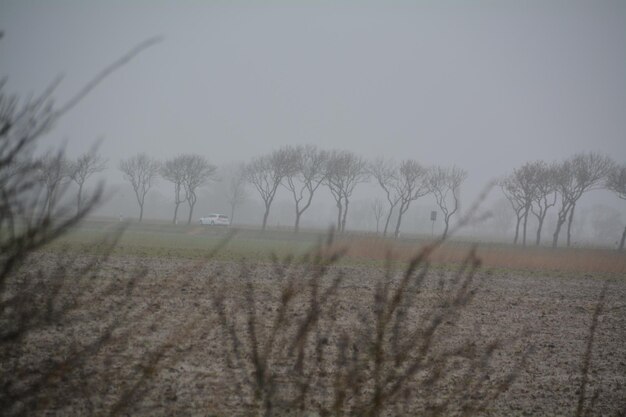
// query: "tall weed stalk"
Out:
[313,347]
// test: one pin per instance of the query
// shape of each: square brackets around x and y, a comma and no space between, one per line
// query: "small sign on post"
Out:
[433,217]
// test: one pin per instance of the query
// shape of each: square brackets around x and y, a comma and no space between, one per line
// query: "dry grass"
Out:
[574,260]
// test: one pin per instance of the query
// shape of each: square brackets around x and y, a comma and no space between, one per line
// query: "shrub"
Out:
[314,346]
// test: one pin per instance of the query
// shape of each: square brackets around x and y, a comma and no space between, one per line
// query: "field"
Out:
[511,338]
[194,241]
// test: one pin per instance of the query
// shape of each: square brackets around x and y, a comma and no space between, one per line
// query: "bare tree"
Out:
[307,173]
[84,167]
[24,215]
[41,299]
[579,174]
[235,187]
[198,171]
[21,126]
[344,171]
[519,188]
[386,173]
[174,170]
[413,184]
[545,193]
[526,178]
[266,173]
[53,171]
[377,209]
[445,184]
[616,182]
[30,217]
[512,192]
[141,171]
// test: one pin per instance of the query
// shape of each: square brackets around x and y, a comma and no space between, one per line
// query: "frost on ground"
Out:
[166,353]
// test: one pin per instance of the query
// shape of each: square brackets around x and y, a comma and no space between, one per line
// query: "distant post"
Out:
[433,217]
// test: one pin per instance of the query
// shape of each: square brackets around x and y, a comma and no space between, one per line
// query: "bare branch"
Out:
[266,173]
[344,171]
[141,171]
[445,184]
[577,175]
[307,173]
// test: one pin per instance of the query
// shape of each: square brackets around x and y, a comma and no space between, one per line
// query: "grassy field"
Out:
[188,242]
[511,338]
[196,242]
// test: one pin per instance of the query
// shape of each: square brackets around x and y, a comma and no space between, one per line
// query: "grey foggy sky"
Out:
[485,85]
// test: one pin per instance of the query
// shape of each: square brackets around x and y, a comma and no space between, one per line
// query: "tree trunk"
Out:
[446,221]
[191,200]
[524,229]
[345,216]
[569,225]
[621,243]
[388,220]
[265,216]
[538,239]
[191,205]
[79,198]
[299,212]
[232,213]
[297,225]
[175,213]
[557,231]
[141,199]
[519,219]
[396,233]
[339,213]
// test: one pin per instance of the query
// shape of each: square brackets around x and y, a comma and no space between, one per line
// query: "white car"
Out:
[215,220]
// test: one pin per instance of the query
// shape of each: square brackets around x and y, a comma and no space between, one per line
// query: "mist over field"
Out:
[486,87]
[321,209]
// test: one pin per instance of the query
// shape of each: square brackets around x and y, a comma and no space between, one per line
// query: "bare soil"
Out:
[545,316]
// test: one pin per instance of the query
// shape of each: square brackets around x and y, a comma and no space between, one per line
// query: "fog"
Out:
[486,86]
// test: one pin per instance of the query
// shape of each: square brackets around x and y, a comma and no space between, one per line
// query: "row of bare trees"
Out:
[54,171]
[407,181]
[303,169]
[534,188]
[186,171]
[537,186]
